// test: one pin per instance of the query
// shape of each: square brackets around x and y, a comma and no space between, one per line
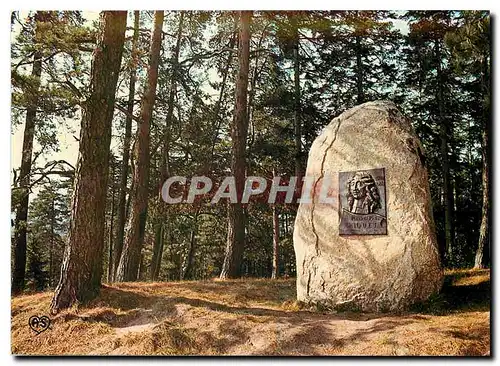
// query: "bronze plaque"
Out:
[363,208]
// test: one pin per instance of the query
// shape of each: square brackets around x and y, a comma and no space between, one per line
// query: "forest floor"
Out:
[253,317]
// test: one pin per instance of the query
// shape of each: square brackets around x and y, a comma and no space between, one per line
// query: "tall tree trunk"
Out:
[239,129]
[484,228]
[131,254]
[19,266]
[121,210]
[188,264]
[484,231]
[165,168]
[443,133]
[165,164]
[276,240]
[156,260]
[141,268]
[218,105]
[359,70]
[110,241]
[51,249]
[296,109]
[81,270]
[257,69]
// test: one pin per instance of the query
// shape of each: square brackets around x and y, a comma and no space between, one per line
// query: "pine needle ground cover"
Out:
[253,317]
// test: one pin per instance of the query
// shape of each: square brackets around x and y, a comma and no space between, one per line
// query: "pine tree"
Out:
[470,46]
[42,101]
[29,133]
[82,264]
[239,129]
[435,83]
[48,228]
[121,206]
[131,254]
[165,170]
[37,275]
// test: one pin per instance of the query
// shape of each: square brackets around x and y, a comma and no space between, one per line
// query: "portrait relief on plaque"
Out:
[362,200]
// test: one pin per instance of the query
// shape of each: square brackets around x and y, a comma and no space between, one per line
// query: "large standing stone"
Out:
[369,272]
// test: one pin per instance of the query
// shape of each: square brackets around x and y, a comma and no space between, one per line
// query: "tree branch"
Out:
[127,113]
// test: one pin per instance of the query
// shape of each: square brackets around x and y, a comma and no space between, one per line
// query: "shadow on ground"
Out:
[256,317]
[137,304]
[462,291]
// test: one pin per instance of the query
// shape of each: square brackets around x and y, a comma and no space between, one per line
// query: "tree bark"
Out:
[19,265]
[51,249]
[443,133]
[231,267]
[484,231]
[131,254]
[165,173]
[165,164]
[188,264]
[484,228]
[276,240]
[257,69]
[296,112]
[156,260]
[218,105]
[121,210]
[81,270]
[359,70]
[110,241]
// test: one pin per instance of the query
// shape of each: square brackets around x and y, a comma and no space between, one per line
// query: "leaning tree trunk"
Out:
[121,210]
[165,167]
[239,129]
[484,231]
[19,267]
[131,254]
[81,270]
